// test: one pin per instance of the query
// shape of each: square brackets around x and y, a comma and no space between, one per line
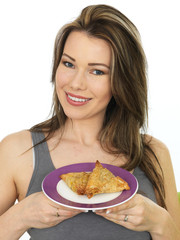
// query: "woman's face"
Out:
[83,77]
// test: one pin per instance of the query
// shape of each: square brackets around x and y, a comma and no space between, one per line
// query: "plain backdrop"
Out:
[27,33]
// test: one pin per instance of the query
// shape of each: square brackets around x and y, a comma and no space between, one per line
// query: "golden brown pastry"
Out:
[102,180]
[77,181]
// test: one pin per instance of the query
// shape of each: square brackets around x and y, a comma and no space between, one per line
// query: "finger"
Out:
[59,216]
[127,205]
[122,220]
[119,217]
[117,209]
[67,213]
[115,218]
[135,220]
[130,211]
[112,216]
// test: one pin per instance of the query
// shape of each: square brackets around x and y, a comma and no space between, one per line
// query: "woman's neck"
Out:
[85,132]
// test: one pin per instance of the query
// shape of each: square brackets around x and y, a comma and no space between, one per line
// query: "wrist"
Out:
[21,218]
[11,224]
[159,226]
[17,217]
[165,229]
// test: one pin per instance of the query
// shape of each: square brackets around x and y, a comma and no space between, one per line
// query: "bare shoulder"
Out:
[160,149]
[13,150]
[15,168]
[163,155]
[16,143]
[155,143]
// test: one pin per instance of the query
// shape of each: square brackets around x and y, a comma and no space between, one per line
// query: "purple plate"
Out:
[53,188]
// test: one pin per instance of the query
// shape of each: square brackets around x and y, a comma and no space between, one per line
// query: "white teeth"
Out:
[77,99]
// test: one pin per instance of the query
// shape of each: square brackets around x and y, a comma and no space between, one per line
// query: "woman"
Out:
[99,112]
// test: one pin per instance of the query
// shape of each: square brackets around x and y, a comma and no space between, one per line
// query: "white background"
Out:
[27,33]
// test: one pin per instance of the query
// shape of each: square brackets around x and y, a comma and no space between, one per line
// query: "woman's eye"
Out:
[68,64]
[98,72]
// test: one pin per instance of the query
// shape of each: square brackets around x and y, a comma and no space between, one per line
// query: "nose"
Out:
[78,81]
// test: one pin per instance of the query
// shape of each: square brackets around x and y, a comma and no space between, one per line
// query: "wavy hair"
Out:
[126,116]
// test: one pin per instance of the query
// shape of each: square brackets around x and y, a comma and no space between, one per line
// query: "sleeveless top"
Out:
[84,225]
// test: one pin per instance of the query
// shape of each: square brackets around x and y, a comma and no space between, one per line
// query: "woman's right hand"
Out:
[37,211]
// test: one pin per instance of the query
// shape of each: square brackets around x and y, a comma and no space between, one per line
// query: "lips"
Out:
[76,100]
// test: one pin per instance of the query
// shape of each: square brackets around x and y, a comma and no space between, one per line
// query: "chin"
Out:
[74,115]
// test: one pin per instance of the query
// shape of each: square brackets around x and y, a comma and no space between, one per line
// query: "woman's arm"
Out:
[34,211]
[11,225]
[10,222]
[144,214]
[171,221]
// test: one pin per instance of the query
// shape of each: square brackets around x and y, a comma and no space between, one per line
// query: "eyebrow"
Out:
[64,54]
[90,64]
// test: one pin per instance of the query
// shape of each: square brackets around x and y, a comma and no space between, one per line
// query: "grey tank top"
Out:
[86,226]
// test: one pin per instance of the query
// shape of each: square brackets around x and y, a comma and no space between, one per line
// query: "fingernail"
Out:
[108,211]
[98,211]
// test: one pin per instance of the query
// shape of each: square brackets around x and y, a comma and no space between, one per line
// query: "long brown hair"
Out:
[127,113]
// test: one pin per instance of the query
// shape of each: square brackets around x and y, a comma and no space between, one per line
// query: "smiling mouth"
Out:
[78,99]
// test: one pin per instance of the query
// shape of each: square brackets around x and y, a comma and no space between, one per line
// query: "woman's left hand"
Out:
[138,214]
